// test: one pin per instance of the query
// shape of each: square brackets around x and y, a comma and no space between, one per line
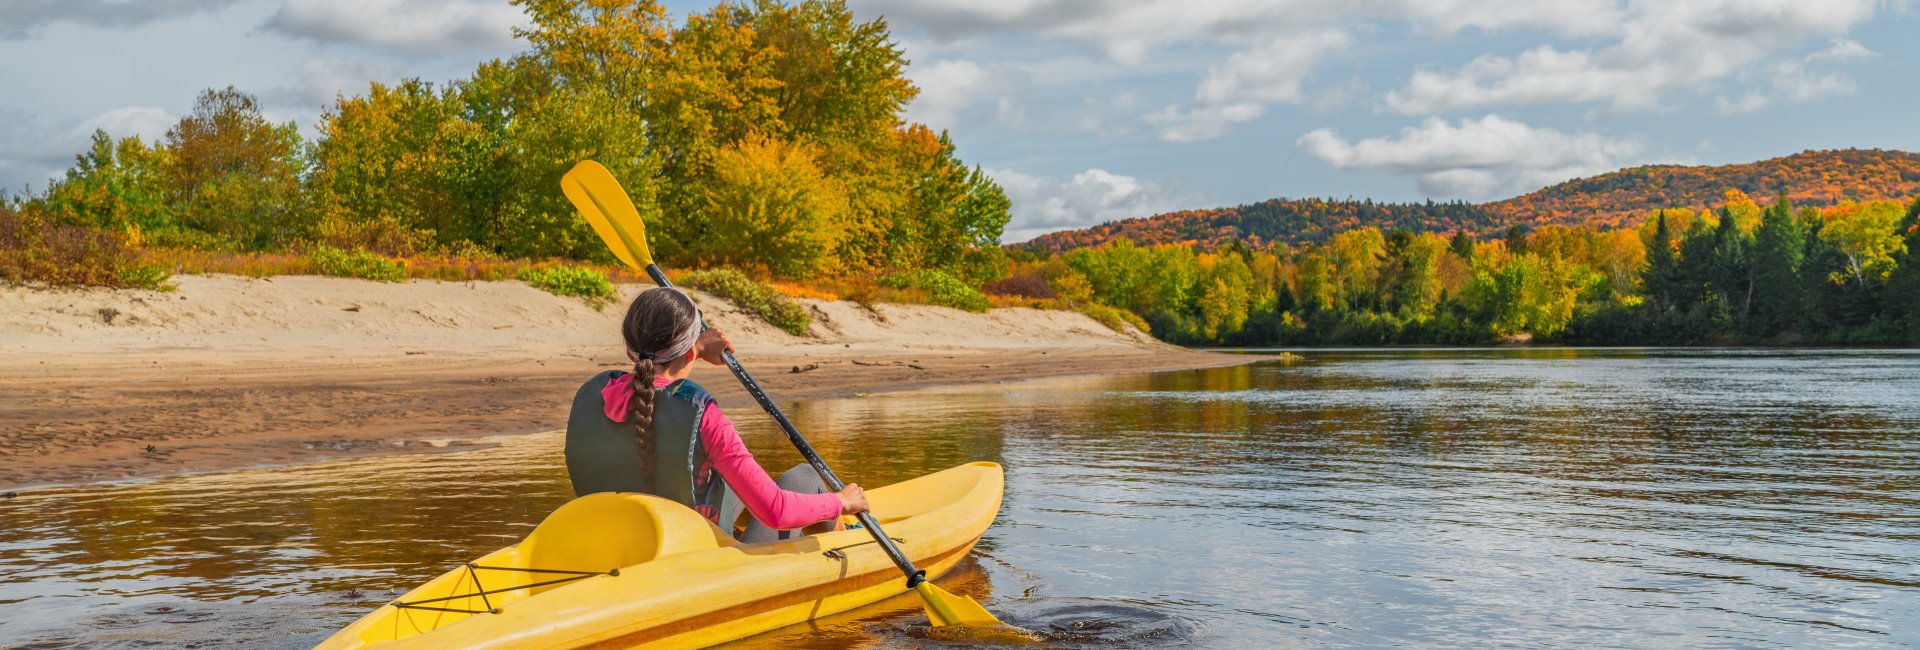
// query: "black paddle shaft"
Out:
[914,575]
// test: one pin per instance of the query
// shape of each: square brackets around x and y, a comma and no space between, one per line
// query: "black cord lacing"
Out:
[482,592]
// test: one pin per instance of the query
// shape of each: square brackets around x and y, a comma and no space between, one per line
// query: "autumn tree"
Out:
[1864,234]
[1357,257]
[232,175]
[769,204]
[1620,255]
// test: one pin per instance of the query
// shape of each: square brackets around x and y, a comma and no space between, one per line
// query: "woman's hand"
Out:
[712,344]
[853,500]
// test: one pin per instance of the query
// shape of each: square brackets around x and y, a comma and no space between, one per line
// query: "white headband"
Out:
[682,342]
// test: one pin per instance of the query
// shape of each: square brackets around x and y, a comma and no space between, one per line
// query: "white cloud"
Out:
[1095,196]
[1274,45]
[1662,48]
[30,154]
[1843,49]
[418,26]
[1240,89]
[148,122]
[319,82]
[1130,31]
[953,92]
[22,18]
[1476,159]
[1804,80]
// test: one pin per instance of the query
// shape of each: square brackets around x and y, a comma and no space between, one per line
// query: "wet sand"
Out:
[230,372]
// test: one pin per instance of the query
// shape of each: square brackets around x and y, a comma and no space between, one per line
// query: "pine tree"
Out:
[1779,247]
[1900,302]
[1697,268]
[1663,268]
[1821,298]
[1462,245]
[1732,268]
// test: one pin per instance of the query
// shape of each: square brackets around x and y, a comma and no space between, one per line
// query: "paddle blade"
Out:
[945,609]
[606,206]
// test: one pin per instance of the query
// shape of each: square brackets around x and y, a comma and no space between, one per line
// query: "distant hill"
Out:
[1625,197]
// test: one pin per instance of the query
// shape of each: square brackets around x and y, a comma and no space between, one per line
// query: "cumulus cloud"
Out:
[1240,89]
[1476,159]
[1804,80]
[417,26]
[1661,48]
[318,82]
[148,122]
[1272,46]
[31,153]
[1042,205]
[952,92]
[23,18]
[1130,30]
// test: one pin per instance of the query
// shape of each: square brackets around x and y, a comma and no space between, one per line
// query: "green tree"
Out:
[114,185]
[233,175]
[1901,301]
[387,169]
[1663,278]
[1779,248]
[1732,272]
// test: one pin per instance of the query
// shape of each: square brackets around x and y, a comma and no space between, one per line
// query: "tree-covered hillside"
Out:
[1612,200]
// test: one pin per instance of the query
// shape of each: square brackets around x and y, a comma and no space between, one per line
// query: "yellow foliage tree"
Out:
[768,205]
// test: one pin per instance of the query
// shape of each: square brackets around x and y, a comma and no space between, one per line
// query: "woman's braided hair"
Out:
[656,318]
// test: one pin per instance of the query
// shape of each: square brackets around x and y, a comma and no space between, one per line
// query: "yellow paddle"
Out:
[607,207]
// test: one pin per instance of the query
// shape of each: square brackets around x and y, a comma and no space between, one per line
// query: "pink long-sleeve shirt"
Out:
[775,507]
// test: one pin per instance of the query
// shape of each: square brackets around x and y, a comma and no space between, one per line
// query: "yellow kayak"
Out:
[621,570]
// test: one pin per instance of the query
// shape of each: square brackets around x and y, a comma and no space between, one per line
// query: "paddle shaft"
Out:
[914,575]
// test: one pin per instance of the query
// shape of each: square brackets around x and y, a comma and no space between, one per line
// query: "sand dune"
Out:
[230,371]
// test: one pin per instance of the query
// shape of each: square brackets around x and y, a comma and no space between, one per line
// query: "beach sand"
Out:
[230,372]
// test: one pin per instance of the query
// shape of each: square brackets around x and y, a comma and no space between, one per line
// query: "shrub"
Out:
[1114,318]
[1024,286]
[357,264]
[36,250]
[586,284]
[754,297]
[147,276]
[942,289]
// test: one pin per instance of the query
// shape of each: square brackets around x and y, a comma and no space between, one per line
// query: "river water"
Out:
[1530,497]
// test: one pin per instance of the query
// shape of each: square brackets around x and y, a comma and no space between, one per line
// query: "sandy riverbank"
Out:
[233,372]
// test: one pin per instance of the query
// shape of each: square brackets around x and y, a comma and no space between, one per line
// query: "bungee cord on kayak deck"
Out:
[481,591]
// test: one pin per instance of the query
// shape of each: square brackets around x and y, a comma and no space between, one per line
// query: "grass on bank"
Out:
[757,298]
[576,281]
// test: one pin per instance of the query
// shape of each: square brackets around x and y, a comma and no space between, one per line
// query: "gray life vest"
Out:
[603,455]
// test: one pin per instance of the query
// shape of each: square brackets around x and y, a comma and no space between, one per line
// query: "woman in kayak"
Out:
[657,432]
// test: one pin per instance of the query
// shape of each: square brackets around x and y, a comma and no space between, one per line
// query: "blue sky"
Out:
[1093,110]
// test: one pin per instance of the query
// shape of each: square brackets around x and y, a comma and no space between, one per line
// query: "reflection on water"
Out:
[1424,498]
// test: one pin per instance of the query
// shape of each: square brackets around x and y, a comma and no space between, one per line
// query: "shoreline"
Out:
[231,373]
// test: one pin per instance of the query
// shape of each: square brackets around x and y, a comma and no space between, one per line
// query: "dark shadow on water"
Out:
[1086,623]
